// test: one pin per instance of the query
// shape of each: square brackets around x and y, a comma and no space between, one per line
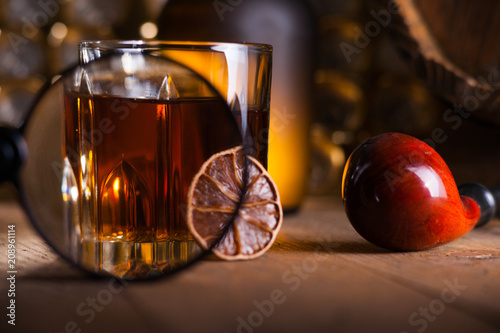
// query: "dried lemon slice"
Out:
[239,226]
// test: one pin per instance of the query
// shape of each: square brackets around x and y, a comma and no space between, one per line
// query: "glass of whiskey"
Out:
[139,119]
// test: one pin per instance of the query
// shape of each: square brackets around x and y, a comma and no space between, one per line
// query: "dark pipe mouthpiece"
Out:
[484,198]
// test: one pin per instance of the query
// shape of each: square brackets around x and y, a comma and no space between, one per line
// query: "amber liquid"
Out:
[134,160]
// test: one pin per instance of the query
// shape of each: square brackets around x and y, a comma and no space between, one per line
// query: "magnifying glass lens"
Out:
[116,147]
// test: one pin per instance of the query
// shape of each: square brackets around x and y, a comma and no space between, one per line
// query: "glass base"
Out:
[138,260]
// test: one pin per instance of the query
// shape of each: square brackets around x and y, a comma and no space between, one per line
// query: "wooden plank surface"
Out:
[320,276]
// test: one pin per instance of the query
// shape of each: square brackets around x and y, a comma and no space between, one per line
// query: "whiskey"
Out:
[133,161]
[256,134]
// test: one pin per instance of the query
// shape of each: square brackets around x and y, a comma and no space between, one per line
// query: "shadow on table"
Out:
[286,243]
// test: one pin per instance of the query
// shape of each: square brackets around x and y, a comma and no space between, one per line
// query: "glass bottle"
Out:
[289,26]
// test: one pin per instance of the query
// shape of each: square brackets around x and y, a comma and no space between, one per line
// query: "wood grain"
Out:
[328,278]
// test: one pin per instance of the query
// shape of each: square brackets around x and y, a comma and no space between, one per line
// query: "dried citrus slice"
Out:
[239,225]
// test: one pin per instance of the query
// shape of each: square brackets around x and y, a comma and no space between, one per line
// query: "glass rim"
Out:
[158,44]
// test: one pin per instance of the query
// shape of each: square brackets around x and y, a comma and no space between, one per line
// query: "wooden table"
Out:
[320,276]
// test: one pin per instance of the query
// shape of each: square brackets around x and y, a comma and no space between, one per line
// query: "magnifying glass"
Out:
[126,163]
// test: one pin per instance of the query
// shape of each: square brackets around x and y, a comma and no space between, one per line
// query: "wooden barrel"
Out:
[454,45]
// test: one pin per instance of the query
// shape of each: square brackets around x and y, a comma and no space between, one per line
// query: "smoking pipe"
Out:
[399,194]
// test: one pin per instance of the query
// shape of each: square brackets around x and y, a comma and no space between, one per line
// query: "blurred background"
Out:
[355,81]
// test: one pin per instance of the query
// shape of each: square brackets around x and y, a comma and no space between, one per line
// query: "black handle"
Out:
[13,152]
